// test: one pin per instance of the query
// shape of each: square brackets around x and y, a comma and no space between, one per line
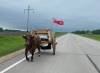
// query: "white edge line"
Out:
[13,65]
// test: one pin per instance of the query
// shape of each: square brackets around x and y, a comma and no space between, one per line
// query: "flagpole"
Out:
[53,25]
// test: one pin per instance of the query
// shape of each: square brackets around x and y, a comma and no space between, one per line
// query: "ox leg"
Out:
[39,51]
[32,53]
[32,56]
[26,52]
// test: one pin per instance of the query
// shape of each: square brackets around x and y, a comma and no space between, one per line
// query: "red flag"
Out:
[58,21]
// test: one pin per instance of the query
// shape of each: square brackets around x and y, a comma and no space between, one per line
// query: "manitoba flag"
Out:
[58,21]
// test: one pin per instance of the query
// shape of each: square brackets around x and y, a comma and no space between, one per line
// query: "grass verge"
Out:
[92,36]
[58,34]
[9,44]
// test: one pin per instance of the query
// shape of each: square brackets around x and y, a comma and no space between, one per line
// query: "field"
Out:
[12,43]
[60,33]
[92,36]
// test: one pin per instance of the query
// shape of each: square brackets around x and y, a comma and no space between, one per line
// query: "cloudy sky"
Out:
[77,14]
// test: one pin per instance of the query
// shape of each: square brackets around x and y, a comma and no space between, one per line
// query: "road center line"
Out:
[95,66]
[89,58]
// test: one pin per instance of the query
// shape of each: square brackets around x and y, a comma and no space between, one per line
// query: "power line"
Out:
[28,10]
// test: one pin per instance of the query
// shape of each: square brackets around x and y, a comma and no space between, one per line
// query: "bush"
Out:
[1,29]
[96,31]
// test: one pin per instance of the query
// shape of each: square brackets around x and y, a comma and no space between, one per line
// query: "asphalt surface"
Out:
[74,54]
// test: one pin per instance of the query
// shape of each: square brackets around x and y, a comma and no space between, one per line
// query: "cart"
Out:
[48,40]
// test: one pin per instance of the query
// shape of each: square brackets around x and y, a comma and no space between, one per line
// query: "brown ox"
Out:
[32,43]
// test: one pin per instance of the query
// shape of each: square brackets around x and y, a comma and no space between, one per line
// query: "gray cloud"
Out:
[77,14]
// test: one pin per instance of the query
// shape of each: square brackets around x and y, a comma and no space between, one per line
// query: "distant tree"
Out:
[79,32]
[1,29]
[88,32]
[8,30]
[82,32]
[96,31]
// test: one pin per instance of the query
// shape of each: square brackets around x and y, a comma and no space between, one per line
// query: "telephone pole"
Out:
[28,10]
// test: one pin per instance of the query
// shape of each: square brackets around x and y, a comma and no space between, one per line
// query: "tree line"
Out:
[97,31]
[8,30]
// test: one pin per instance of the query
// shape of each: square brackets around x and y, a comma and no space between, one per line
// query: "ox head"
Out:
[27,39]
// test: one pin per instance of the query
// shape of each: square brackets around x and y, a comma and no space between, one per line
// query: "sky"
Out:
[77,14]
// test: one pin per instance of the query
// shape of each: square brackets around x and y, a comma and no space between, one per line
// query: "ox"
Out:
[32,43]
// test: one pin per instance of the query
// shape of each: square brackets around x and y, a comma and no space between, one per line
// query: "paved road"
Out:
[74,54]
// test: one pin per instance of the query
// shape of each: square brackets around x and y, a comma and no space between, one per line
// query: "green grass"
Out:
[9,44]
[92,36]
[58,34]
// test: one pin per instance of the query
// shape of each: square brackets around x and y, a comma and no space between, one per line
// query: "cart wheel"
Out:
[54,49]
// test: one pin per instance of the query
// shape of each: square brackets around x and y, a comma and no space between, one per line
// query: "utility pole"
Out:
[28,10]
